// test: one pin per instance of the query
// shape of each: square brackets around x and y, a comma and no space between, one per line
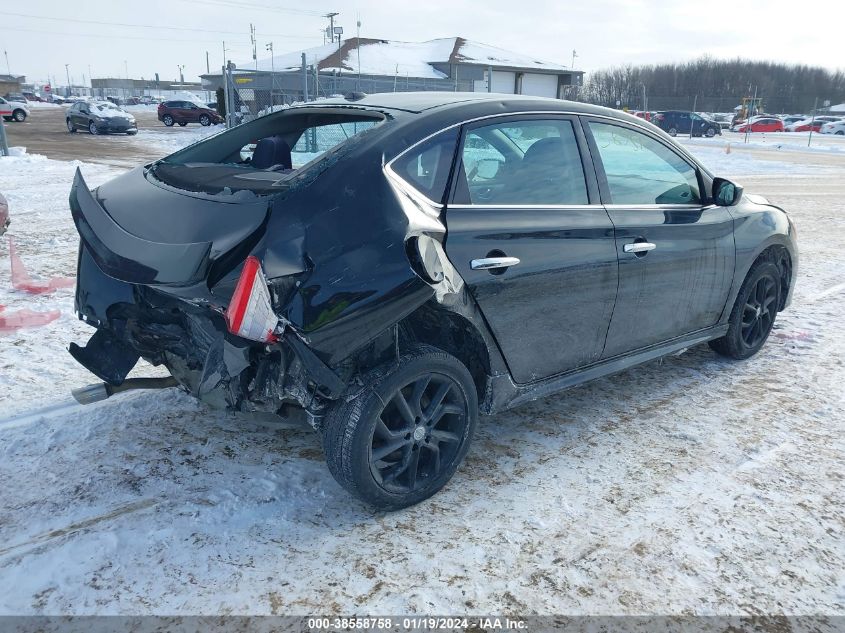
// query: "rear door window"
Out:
[532,162]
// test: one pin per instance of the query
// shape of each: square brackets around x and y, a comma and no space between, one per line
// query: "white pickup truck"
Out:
[13,111]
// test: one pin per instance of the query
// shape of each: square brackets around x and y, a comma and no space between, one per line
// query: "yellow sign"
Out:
[243,80]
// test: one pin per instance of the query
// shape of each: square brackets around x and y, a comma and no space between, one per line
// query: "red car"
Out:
[764,124]
[184,112]
[642,115]
[4,214]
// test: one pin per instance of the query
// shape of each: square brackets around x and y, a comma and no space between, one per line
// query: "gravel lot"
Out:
[688,485]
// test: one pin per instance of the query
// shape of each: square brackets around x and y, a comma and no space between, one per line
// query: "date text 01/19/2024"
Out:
[415,622]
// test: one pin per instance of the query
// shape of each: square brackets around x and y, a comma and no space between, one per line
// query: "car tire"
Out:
[19,116]
[93,128]
[205,120]
[753,313]
[183,123]
[167,120]
[131,132]
[672,131]
[394,408]
[840,133]
[70,126]
[711,132]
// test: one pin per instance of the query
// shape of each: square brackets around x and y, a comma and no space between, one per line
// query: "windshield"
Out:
[260,155]
[107,108]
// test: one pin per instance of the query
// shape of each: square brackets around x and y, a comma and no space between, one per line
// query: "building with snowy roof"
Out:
[376,65]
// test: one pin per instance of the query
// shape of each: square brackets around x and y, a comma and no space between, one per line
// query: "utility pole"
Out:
[574,55]
[8,68]
[359,52]
[67,73]
[254,52]
[181,67]
[207,66]
[269,47]
[331,17]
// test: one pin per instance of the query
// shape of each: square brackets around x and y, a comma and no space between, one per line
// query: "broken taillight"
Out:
[250,314]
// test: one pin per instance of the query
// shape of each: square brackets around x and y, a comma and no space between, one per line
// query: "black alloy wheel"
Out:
[401,438]
[93,128]
[758,313]
[418,432]
[754,312]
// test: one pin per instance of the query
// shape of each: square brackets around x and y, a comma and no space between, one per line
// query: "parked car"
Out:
[675,122]
[833,127]
[760,124]
[15,97]
[99,117]
[810,125]
[641,114]
[4,214]
[723,119]
[314,274]
[31,96]
[184,112]
[13,110]
[793,118]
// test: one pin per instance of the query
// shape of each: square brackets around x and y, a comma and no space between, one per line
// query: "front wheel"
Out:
[840,133]
[673,131]
[205,120]
[403,436]
[753,314]
[93,128]
[711,132]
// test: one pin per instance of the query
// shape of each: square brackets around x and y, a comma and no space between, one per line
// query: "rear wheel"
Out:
[183,123]
[167,120]
[205,120]
[70,127]
[93,128]
[401,438]
[673,131]
[19,116]
[753,314]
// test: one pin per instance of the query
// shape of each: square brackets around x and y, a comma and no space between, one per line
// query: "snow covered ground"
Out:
[688,485]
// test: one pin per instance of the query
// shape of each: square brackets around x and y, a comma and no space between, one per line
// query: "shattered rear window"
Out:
[261,155]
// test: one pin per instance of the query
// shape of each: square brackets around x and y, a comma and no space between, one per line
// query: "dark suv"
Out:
[393,265]
[676,122]
[184,112]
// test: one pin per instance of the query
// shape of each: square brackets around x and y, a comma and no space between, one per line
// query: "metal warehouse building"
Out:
[375,65]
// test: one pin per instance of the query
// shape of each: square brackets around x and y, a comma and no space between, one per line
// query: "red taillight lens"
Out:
[250,314]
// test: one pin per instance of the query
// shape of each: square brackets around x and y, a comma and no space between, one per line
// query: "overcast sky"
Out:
[149,36]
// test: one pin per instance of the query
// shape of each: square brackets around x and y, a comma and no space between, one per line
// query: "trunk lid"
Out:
[142,233]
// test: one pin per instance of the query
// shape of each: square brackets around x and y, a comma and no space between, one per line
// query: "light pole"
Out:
[67,73]
[181,76]
[269,47]
[126,70]
[8,68]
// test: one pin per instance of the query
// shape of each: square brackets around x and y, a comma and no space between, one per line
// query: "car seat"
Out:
[272,151]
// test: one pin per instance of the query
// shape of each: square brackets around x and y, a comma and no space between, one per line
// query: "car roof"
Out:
[418,102]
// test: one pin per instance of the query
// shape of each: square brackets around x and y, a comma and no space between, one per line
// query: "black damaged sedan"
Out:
[393,265]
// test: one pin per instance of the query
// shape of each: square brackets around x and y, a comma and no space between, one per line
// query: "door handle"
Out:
[639,247]
[488,263]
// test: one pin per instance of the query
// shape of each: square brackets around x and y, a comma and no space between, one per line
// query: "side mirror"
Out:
[726,193]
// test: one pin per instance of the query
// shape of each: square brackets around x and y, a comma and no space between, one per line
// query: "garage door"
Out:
[504,81]
[539,85]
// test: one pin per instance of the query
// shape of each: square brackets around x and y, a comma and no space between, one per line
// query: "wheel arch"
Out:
[459,333]
[778,249]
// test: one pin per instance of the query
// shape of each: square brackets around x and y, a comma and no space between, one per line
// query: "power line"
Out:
[123,37]
[145,26]
[256,7]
